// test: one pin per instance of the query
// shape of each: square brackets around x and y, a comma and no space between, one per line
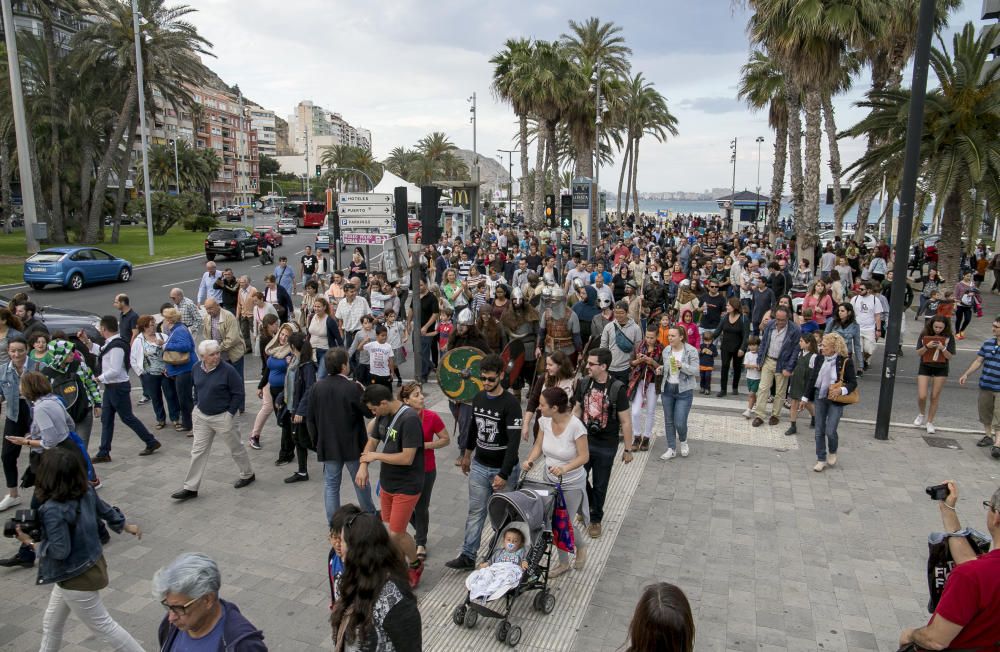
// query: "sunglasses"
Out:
[489,379]
[179,609]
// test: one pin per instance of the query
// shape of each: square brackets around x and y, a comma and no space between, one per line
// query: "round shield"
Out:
[513,360]
[458,373]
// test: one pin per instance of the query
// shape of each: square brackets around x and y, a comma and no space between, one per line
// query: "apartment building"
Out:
[313,127]
[266,125]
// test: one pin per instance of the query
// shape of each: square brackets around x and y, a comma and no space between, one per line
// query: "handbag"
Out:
[834,394]
[176,357]
[94,578]
[562,529]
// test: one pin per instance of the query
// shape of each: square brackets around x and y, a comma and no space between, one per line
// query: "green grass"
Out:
[132,246]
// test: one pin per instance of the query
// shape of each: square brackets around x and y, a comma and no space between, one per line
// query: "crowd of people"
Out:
[645,318]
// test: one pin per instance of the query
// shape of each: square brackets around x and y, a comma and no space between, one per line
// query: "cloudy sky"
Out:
[403,68]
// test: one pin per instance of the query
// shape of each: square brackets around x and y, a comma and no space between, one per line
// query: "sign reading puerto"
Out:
[362,210]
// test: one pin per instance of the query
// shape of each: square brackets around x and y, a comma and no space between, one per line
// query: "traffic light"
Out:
[566,212]
[550,211]
[319,170]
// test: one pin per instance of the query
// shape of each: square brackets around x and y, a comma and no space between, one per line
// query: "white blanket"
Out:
[493,581]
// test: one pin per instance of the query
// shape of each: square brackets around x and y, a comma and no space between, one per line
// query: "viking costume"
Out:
[559,328]
[520,321]
[465,334]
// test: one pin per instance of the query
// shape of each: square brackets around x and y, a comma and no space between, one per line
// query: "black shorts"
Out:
[934,371]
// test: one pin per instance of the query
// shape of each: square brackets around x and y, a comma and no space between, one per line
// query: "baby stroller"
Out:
[529,506]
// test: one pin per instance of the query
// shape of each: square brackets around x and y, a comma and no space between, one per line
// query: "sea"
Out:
[712,208]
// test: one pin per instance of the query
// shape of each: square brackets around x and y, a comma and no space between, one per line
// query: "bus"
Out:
[307,214]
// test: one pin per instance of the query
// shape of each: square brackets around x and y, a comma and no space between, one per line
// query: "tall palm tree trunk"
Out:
[635,173]
[538,208]
[6,192]
[795,151]
[777,174]
[123,165]
[57,230]
[86,176]
[950,244]
[526,200]
[621,177]
[830,125]
[94,222]
[809,229]
[628,181]
[584,155]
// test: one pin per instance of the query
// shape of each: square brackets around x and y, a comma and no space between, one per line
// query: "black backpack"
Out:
[67,386]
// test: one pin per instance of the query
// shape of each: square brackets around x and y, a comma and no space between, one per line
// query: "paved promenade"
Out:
[772,555]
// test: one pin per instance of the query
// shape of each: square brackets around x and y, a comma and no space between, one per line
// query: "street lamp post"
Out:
[732,197]
[760,139]
[177,174]
[142,127]
[510,179]
[475,161]
[20,130]
[595,77]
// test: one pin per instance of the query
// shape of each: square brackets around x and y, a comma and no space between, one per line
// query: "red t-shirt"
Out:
[432,425]
[970,599]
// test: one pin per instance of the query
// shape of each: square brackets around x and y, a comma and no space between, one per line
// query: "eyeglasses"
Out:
[988,506]
[489,379]
[179,609]
[593,364]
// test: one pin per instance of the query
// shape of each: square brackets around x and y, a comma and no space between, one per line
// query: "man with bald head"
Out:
[190,315]
[208,288]
[223,327]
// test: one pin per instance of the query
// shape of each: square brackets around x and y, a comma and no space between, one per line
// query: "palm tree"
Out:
[511,66]
[838,83]
[645,113]
[401,161]
[959,151]
[170,61]
[762,86]
[434,144]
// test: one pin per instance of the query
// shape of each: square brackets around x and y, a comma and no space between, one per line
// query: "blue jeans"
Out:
[480,490]
[828,416]
[117,400]
[320,363]
[426,342]
[598,467]
[332,470]
[158,387]
[184,387]
[676,406]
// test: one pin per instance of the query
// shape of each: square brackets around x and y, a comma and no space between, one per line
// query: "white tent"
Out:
[390,182]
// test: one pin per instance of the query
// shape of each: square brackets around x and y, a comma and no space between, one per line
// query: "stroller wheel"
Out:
[514,636]
[458,615]
[545,602]
[471,618]
[502,630]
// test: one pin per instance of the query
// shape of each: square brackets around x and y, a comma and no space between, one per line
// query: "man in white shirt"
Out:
[207,289]
[350,310]
[868,313]
[114,356]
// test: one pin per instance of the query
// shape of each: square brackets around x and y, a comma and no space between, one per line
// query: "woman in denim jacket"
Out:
[680,377]
[70,553]
[179,340]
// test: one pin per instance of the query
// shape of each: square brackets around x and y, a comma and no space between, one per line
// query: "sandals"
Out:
[160,425]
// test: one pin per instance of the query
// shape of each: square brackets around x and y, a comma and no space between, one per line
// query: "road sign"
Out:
[361,210]
[365,198]
[366,222]
[365,238]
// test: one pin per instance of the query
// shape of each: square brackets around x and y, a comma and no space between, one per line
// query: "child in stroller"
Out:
[512,552]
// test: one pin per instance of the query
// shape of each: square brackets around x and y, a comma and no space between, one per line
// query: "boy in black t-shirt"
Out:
[308,264]
[402,471]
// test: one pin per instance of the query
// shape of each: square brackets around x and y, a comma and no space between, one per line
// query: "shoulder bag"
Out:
[834,394]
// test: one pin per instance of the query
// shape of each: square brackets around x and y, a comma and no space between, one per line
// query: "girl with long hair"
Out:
[662,621]
[299,379]
[558,372]
[936,347]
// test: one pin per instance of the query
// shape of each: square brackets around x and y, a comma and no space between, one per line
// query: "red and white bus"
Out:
[307,214]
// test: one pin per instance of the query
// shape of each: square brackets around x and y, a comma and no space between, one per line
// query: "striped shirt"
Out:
[989,378]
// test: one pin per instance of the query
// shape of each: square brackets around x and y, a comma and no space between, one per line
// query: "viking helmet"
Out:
[603,301]
[465,318]
[577,283]
[517,295]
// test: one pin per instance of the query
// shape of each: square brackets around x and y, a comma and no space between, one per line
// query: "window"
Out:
[101,256]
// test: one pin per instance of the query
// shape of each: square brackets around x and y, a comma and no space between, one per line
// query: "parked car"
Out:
[269,210]
[323,239]
[66,320]
[287,225]
[74,267]
[125,219]
[269,234]
[234,243]
[848,234]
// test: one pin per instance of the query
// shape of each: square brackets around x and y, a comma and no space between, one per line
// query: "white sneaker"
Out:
[669,455]
[9,501]
[930,428]
[920,420]
[748,413]
[684,449]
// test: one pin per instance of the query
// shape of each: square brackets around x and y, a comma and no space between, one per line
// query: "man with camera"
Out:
[602,404]
[965,618]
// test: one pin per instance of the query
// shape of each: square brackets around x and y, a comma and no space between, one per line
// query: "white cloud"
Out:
[403,68]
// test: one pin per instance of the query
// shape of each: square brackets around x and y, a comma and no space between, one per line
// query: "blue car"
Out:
[74,267]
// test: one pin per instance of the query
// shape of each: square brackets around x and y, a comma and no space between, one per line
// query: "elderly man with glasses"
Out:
[197,618]
[965,617]
[350,310]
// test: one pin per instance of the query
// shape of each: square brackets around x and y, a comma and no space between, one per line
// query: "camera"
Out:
[937,492]
[28,520]
[594,428]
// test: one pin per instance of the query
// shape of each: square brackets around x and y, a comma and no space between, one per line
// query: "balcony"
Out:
[991,9]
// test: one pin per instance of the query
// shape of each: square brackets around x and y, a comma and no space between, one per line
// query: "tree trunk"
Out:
[621,177]
[537,216]
[123,164]
[950,245]
[778,174]
[584,147]
[553,156]
[6,192]
[795,153]
[526,200]
[94,219]
[808,230]
[635,173]
[86,176]
[628,181]
[835,169]
[57,229]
